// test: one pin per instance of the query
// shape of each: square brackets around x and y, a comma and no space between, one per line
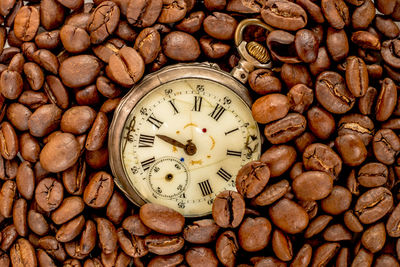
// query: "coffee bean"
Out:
[337,44]
[220,26]
[293,74]
[374,238]
[386,145]
[284,15]
[263,81]
[306,45]
[352,222]
[142,13]
[163,244]
[79,70]
[288,216]
[49,194]
[228,209]
[336,13]
[254,234]
[282,47]
[26,23]
[52,14]
[351,148]
[201,232]
[181,46]
[338,201]
[324,253]
[320,122]
[386,101]
[192,23]
[213,48]
[252,178]
[74,39]
[270,108]
[282,246]
[99,190]
[162,219]
[103,21]
[312,185]
[387,27]
[373,205]
[37,223]
[195,256]
[227,248]
[22,253]
[71,229]
[172,11]
[317,225]
[321,157]
[285,129]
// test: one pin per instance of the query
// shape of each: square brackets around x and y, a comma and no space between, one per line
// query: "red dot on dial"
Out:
[204,130]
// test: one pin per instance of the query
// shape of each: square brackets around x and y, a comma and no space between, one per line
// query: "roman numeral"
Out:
[217,112]
[234,153]
[154,121]
[205,188]
[224,174]
[172,102]
[147,163]
[197,103]
[146,140]
[231,131]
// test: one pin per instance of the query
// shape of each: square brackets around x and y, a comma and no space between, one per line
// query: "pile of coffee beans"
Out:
[325,192]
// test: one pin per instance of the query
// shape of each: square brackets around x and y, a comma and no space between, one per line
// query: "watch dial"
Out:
[185,141]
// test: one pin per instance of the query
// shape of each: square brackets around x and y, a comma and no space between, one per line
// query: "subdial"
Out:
[168,177]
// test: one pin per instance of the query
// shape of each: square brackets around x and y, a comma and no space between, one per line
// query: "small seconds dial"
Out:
[185,141]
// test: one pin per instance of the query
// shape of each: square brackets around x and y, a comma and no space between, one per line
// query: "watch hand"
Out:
[189,148]
[171,141]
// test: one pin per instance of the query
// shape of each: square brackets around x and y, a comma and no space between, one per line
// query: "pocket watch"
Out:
[180,136]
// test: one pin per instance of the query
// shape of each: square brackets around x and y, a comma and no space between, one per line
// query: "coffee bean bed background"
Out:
[324,193]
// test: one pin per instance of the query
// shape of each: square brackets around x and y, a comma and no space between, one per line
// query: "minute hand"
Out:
[171,141]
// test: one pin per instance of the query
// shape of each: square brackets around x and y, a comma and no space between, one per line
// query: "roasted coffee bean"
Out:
[272,193]
[312,185]
[163,244]
[373,174]
[162,219]
[254,234]
[60,153]
[317,225]
[324,253]
[279,159]
[49,194]
[386,101]
[181,46]
[79,71]
[352,222]
[8,141]
[99,190]
[336,12]
[69,208]
[192,23]
[11,84]
[228,209]
[52,14]
[300,98]
[141,13]
[285,129]
[172,11]
[37,223]
[74,39]
[374,238]
[103,21]
[331,92]
[366,40]
[338,201]
[337,44]
[201,232]
[351,148]
[336,233]
[22,253]
[357,124]
[282,246]
[220,26]
[262,81]
[252,178]
[72,4]
[373,205]
[195,256]
[213,48]
[321,157]
[306,45]
[270,108]
[288,216]
[293,74]
[227,248]
[7,195]
[26,23]
[282,47]
[320,122]
[386,145]
[387,27]
[284,15]
[363,15]
[356,76]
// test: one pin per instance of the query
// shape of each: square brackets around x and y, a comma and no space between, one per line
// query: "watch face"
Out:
[185,141]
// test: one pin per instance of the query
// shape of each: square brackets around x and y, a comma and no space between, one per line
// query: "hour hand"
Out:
[189,148]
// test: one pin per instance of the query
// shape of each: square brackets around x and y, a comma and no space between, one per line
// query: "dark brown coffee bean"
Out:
[7,195]
[125,31]
[69,208]
[19,216]
[77,120]
[49,194]
[337,44]
[322,158]
[263,81]
[284,15]
[366,40]
[11,84]
[313,10]
[312,185]
[148,44]
[351,148]
[320,122]
[48,40]
[60,153]
[9,235]
[163,244]
[25,180]
[387,27]
[227,248]
[386,145]
[135,247]
[374,237]
[23,254]
[71,229]
[317,225]
[254,234]
[272,193]
[99,190]
[71,4]
[285,129]
[88,237]
[288,216]
[107,88]
[293,74]
[282,246]
[366,102]
[279,159]
[79,71]
[126,67]
[52,14]
[46,60]
[107,235]
[220,26]
[37,223]
[181,46]
[98,133]
[252,178]
[74,39]
[363,15]
[373,174]
[56,92]
[26,23]
[44,120]
[192,23]
[387,100]
[135,227]
[338,201]
[195,256]
[8,141]
[282,47]
[111,47]
[300,98]
[34,75]
[270,107]
[352,222]
[162,219]
[228,209]
[322,62]
[358,125]
[215,4]
[357,76]
[373,205]
[324,254]
[336,13]
[201,232]
[213,48]
[53,247]
[142,13]
[306,45]
[172,11]
[332,94]
[103,21]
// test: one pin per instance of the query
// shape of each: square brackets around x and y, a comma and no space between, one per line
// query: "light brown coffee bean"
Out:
[162,219]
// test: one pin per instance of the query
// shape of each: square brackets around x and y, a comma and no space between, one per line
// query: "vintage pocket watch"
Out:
[180,136]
